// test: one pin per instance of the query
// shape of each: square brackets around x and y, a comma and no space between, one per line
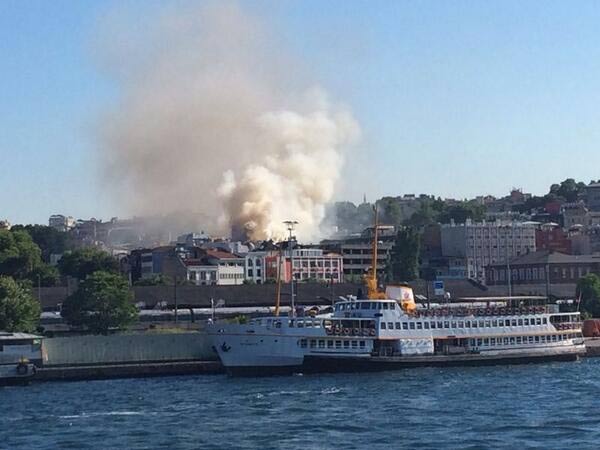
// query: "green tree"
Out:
[19,255]
[83,262]
[48,239]
[404,259]
[588,289]
[103,301]
[19,311]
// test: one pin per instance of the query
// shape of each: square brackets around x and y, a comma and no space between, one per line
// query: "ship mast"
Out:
[371,278]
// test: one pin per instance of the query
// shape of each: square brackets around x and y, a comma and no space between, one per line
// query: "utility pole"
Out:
[290,224]
[175,297]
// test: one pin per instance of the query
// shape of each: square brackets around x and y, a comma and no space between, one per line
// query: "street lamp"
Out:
[291,224]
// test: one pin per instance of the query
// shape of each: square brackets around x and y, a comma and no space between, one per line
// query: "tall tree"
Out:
[83,262]
[404,258]
[19,311]
[588,289]
[19,255]
[103,301]
[48,239]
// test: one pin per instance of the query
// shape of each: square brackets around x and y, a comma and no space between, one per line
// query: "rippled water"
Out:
[531,406]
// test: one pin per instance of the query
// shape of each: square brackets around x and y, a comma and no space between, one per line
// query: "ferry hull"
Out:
[324,364]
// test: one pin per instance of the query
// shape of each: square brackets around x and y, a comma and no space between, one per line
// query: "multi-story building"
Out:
[309,264]
[61,223]
[550,236]
[542,267]
[483,244]
[592,194]
[216,267]
[357,251]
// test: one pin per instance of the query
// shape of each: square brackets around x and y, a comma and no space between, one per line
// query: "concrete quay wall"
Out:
[127,348]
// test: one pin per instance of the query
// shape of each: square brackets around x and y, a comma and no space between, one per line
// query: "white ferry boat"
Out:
[387,331]
[19,354]
[376,334]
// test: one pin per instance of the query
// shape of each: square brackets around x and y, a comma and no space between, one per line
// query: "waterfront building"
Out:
[487,243]
[542,267]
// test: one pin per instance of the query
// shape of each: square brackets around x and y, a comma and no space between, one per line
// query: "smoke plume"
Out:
[215,125]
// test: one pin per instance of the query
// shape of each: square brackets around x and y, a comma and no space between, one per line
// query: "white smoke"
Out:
[215,125]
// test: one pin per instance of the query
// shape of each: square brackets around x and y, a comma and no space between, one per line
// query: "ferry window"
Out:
[446,324]
[299,324]
[433,325]
[518,339]
[538,321]
[419,326]
[291,323]
[412,325]
[543,339]
[495,323]
[439,325]
[505,341]
[486,342]
[481,324]
[526,321]
[544,321]
[512,341]
[520,322]
[405,325]
[329,344]
[507,323]
[385,306]
[514,322]
[487,324]
[479,342]
[383,325]
[426,325]
[321,343]
[308,323]
[398,326]
[537,339]
[530,339]
[338,344]
[373,305]
[553,338]
[492,341]
[362,344]
[278,324]
[313,343]
[303,343]
[453,324]
[392,306]
[390,325]
[364,305]
[354,344]
[346,344]
[379,306]
[467,324]
[472,342]
[474,324]
[461,324]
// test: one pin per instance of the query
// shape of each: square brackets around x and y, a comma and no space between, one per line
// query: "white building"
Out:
[482,244]
[216,267]
[310,264]
[61,223]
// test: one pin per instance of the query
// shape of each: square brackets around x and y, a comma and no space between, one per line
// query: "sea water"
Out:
[527,406]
